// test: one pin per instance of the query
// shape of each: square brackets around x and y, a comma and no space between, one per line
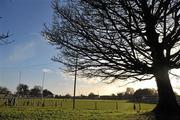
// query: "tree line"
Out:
[23,91]
[129,94]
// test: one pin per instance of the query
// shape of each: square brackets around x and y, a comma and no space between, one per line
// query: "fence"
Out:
[67,103]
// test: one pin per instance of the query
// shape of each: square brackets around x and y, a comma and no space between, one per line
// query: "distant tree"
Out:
[47,93]
[22,90]
[83,96]
[120,39]
[129,91]
[4,91]
[92,95]
[57,96]
[120,95]
[67,95]
[147,92]
[113,95]
[36,91]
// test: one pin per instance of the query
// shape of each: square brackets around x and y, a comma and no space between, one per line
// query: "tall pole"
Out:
[19,78]
[75,77]
[19,82]
[42,84]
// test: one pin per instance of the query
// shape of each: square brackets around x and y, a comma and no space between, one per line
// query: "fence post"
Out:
[95,105]
[61,104]
[116,105]
[56,104]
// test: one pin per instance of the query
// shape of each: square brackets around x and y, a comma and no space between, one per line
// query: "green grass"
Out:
[57,109]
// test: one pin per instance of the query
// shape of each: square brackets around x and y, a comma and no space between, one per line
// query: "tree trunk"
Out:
[167,103]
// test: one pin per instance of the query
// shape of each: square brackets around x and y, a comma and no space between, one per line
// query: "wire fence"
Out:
[67,103]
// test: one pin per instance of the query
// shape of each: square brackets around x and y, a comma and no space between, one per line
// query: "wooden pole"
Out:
[75,77]
[19,78]
[42,84]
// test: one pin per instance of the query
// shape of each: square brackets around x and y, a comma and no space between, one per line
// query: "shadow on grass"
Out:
[152,116]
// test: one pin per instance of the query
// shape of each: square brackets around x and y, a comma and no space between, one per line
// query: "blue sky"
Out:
[30,54]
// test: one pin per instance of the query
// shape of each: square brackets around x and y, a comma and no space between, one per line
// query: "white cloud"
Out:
[47,70]
[68,77]
[100,88]
[23,51]
[88,81]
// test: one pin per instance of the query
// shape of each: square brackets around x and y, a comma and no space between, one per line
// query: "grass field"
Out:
[58,109]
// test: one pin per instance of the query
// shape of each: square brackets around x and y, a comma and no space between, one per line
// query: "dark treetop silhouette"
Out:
[3,38]
[120,39]
[22,90]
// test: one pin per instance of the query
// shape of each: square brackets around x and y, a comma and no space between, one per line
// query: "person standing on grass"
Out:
[13,101]
[134,107]
[9,101]
[139,107]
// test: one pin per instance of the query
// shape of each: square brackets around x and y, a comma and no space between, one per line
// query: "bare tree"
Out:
[120,40]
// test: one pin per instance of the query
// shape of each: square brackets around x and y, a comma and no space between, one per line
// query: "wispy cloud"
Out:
[68,77]
[89,81]
[46,70]
[23,51]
